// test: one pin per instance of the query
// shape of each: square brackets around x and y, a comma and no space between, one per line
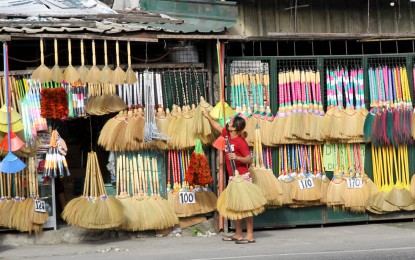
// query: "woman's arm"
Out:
[215,124]
[246,160]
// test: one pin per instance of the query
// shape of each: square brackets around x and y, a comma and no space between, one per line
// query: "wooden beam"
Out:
[62,23]
[131,38]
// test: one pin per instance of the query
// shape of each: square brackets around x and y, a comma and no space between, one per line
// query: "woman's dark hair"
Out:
[239,124]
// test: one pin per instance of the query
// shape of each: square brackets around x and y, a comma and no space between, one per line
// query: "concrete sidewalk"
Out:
[365,241]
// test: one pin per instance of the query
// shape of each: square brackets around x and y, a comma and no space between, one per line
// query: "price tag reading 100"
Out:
[187,197]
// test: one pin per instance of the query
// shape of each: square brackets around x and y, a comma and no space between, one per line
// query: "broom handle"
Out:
[233,165]
[42,56]
[117,50]
[69,52]
[140,171]
[136,183]
[131,176]
[117,183]
[105,53]
[55,45]
[87,175]
[129,54]
[82,53]
[94,62]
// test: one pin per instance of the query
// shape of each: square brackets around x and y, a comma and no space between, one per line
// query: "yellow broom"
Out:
[106,72]
[83,71]
[94,73]
[70,74]
[241,198]
[118,75]
[56,72]
[130,76]
[265,178]
[42,73]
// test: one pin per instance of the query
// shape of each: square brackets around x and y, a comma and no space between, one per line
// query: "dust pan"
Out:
[10,163]
[70,74]
[218,111]
[56,71]
[42,73]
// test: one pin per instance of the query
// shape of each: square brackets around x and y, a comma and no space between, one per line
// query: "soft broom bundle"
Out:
[198,175]
[241,198]
[94,210]
[265,178]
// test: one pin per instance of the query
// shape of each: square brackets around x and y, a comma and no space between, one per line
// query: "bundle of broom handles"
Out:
[233,165]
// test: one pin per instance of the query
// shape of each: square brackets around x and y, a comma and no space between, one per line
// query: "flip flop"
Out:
[244,241]
[230,238]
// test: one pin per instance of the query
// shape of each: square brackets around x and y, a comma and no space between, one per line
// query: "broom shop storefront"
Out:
[91,147]
[336,130]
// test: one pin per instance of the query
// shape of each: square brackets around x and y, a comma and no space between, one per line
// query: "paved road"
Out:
[373,241]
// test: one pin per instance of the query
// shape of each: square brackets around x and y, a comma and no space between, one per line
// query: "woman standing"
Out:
[241,154]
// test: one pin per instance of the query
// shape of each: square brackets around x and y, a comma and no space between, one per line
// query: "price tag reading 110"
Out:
[354,183]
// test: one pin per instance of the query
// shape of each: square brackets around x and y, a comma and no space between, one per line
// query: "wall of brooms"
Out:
[158,128]
[336,130]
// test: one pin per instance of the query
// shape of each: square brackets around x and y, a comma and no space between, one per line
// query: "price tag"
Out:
[354,183]
[306,183]
[187,197]
[40,206]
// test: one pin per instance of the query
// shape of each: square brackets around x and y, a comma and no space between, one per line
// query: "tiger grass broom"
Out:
[106,73]
[241,198]
[56,72]
[70,74]
[264,178]
[130,75]
[124,174]
[42,73]
[94,73]
[94,210]
[118,75]
[83,71]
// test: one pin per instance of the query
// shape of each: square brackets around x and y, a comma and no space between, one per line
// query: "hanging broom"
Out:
[118,75]
[130,76]
[42,73]
[56,72]
[241,198]
[106,72]
[95,210]
[70,74]
[265,178]
[94,73]
[83,71]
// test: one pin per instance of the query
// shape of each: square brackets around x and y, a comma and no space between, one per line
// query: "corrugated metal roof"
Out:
[74,16]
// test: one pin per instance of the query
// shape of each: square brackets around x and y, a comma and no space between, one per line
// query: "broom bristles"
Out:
[70,74]
[399,197]
[56,74]
[130,77]
[105,75]
[243,195]
[235,215]
[83,72]
[118,76]
[42,74]
[93,75]
[268,184]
